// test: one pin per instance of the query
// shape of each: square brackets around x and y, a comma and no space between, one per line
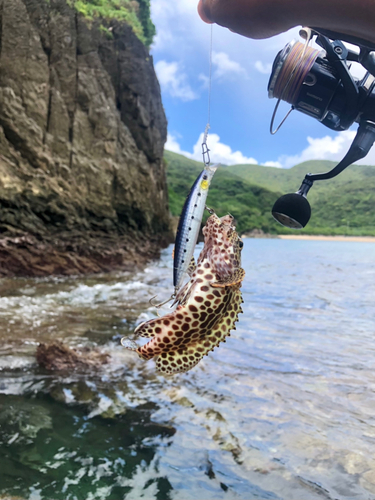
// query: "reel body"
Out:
[319,84]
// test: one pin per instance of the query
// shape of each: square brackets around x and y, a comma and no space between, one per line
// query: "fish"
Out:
[208,305]
[190,224]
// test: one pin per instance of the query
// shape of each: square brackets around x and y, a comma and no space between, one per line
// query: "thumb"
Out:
[202,11]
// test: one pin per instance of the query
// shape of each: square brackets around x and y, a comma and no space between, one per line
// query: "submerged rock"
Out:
[82,131]
[98,398]
[21,420]
[58,356]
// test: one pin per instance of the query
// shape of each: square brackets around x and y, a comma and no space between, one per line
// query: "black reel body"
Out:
[319,84]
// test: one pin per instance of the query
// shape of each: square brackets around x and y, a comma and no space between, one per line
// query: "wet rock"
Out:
[58,356]
[185,402]
[82,131]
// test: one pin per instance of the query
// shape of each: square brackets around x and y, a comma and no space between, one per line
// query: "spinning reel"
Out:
[318,83]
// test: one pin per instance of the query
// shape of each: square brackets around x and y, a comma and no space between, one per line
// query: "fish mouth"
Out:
[227,220]
[226,226]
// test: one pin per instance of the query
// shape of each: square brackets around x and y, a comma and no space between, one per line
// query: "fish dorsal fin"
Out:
[183,294]
[192,267]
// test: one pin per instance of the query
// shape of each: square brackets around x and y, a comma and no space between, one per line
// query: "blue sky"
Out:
[240,107]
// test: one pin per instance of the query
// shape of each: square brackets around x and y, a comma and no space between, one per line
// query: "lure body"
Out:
[208,304]
[190,223]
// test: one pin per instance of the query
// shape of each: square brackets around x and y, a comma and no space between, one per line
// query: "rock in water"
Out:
[58,356]
[82,130]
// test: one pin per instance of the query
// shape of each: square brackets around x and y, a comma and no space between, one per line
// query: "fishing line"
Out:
[289,78]
[205,150]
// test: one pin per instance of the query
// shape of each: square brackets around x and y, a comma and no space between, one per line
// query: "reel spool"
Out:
[291,69]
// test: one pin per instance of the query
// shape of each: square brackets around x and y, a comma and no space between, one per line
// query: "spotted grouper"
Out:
[207,305]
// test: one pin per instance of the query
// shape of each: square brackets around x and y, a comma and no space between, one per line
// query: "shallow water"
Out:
[284,410]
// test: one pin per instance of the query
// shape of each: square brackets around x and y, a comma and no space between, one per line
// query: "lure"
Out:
[190,223]
[188,228]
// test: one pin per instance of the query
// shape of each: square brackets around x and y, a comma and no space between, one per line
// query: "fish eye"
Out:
[240,244]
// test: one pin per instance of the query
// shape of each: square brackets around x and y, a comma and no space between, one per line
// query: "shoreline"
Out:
[363,239]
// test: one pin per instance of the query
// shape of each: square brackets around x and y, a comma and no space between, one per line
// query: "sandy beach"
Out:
[367,239]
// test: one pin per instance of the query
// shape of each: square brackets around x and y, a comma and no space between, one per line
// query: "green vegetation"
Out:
[344,205]
[134,12]
[249,204]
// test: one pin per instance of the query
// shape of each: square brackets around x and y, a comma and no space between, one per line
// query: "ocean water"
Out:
[285,409]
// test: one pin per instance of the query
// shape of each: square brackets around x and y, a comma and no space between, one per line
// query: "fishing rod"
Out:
[318,83]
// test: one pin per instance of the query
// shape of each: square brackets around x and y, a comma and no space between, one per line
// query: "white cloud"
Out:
[173,145]
[323,148]
[176,21]
[174,81]
[225,66]
[263,68]
[275,164]
[219,152]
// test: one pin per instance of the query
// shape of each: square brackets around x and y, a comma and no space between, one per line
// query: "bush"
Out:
[136,13]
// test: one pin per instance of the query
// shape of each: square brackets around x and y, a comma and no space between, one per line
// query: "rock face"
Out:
[82,131]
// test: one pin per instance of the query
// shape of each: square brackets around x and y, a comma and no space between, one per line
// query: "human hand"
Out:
[266,18]
[250,18]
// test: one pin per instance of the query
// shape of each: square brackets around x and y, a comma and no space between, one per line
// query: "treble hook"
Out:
[173,296]
[209,210]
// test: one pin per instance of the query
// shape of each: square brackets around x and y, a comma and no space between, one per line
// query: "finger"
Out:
[202,12]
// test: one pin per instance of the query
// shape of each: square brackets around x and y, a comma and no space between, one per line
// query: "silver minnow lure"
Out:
[190,223]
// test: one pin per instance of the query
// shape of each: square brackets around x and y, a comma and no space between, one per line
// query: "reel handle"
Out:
[360,147]
[293,210]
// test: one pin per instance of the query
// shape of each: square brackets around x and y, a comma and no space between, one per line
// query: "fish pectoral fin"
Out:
[150,328]
[192,267]
[143,331]
[231,280]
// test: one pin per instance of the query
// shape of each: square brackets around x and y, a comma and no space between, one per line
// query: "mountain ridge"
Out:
[343,205]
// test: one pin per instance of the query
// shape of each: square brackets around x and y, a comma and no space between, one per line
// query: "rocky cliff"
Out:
[82,130]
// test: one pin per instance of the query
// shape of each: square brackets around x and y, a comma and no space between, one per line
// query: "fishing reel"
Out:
[319,84]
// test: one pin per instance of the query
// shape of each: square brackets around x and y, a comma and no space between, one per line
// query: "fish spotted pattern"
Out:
[208,304]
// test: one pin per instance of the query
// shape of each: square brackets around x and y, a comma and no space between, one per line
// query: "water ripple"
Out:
[283,410]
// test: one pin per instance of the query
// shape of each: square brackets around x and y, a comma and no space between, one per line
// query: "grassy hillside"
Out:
[289,180]
[344,205]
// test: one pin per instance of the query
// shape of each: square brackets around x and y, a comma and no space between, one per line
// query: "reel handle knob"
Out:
[292,210]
